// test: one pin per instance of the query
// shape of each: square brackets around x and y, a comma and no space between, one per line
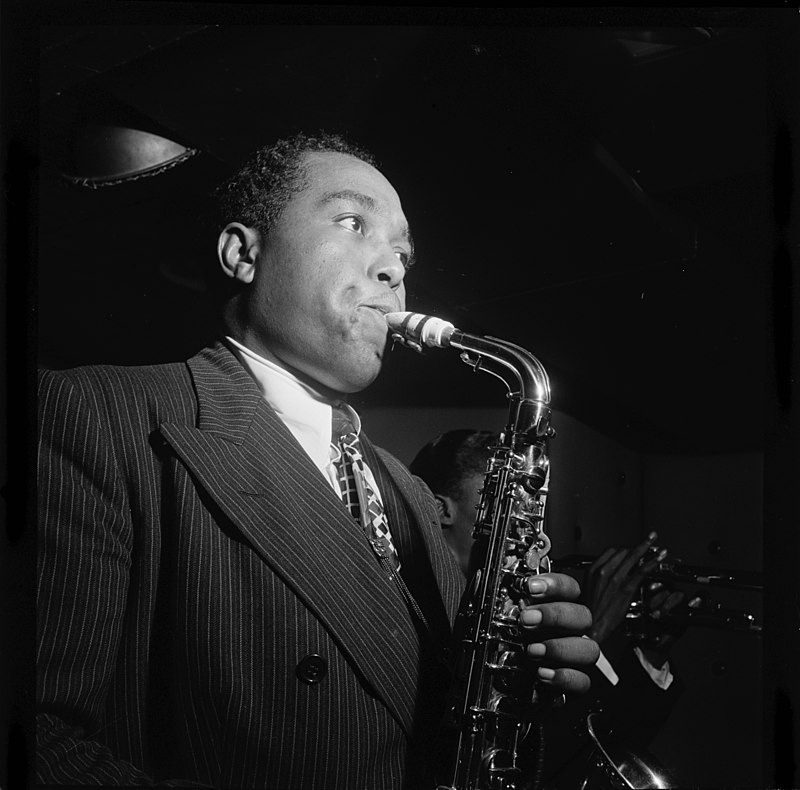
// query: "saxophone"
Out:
[496,701]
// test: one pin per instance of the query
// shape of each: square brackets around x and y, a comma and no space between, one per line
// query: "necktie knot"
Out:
[342,426]
[348,443]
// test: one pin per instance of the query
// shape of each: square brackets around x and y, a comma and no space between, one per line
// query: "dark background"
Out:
[611,188]
[601,194]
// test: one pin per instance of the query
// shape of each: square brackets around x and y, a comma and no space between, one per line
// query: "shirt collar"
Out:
[304,411]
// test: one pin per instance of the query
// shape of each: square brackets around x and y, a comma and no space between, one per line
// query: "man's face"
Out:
[468,499]
[463,512]
[331,268]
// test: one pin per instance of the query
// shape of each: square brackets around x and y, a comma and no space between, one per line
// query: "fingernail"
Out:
[536,586]
[530,617]
[661,554]
[545,673]
[537,650]
[652,535]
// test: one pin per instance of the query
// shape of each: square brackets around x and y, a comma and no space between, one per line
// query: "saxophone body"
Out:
[495,699]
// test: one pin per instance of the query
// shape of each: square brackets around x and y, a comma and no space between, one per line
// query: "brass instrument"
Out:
[611,765]
[495,700]
[700,610]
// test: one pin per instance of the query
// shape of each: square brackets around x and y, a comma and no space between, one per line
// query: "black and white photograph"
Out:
[401,398]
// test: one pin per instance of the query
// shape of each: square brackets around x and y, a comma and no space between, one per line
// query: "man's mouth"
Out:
[374,315]
[377,313]
[389,304]
[380,309]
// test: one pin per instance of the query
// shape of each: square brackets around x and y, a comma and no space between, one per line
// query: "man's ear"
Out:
[445,507]
[237,249]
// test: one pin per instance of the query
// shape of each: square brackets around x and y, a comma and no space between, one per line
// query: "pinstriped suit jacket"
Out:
[191,556]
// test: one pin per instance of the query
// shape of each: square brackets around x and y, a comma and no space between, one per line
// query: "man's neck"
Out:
[250,343]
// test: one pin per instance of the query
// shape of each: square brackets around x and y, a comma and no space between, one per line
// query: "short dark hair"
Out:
[259,190]
[451,457]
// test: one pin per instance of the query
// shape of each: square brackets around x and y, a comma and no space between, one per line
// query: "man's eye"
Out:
[352,223]
[403,257]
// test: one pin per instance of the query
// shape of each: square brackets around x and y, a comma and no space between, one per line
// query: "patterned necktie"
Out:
[359,494]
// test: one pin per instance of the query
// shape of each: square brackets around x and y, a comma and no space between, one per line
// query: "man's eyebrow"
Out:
[349,194]
[365,201]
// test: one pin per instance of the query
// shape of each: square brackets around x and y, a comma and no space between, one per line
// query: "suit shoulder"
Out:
[103,376]
[119,388]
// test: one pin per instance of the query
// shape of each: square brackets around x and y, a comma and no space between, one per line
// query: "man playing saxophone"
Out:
[236,588]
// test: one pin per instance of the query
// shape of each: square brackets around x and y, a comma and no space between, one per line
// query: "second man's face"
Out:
[329,271]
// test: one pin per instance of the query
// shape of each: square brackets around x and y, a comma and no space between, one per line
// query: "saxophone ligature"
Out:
[495,701]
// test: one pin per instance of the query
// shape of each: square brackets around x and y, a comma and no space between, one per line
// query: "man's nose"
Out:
[387,268]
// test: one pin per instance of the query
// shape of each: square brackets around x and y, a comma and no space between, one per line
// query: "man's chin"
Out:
[362,367]
[357,381]
[353,378]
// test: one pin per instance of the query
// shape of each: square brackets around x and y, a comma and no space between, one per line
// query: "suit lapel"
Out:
[446,572]
[248,461]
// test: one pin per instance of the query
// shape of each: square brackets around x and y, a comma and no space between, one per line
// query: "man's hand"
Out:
[655,632]
[552,625]
[613,580]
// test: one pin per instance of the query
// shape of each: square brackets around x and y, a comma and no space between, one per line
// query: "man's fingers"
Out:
[573,651]
[655,600]
[642,548]
[602,560]
[568,681]
[633,560]
[612,565]
[650,565]
[571,617]
[550,586]
[673,600]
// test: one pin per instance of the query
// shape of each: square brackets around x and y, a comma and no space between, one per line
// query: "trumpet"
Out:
[699,610]
[670,570]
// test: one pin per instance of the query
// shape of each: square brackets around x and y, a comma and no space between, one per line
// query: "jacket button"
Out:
[312,669]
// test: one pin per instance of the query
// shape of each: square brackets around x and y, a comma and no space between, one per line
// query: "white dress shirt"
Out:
[304,411]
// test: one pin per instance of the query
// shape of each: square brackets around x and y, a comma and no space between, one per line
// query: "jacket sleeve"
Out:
[83,568]
[637,708]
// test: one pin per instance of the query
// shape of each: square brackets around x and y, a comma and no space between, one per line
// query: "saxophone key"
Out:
[537,552]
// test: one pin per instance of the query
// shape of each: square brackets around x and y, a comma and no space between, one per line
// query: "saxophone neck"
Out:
[522,372]
[524,376]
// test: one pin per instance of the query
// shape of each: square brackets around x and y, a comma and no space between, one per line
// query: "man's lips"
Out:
[383,306]
[377,314]
[377,317]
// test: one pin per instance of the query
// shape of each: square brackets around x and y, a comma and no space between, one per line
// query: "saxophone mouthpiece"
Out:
[417,330]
